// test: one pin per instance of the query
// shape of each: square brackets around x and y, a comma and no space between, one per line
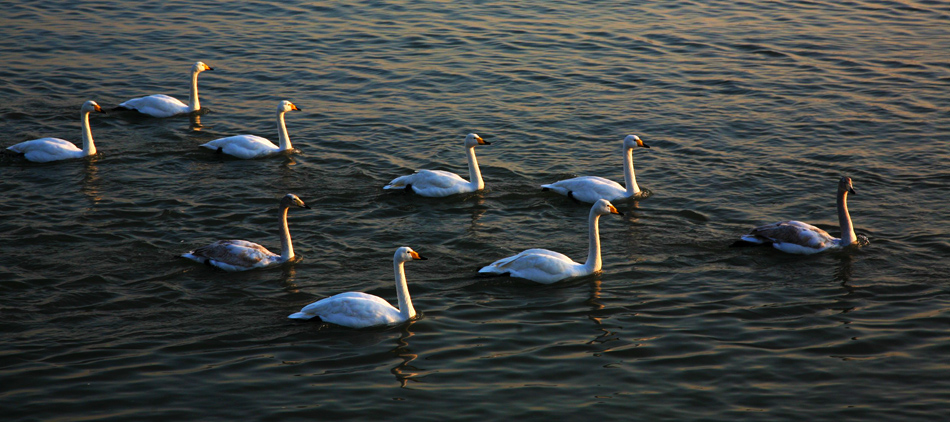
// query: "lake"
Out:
[752,110]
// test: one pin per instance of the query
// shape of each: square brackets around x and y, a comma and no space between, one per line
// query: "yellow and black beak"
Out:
[415,255]
[482,141]
[294,107]
[613,210]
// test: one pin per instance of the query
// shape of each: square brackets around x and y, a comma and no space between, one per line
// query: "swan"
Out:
[360,310]
[802,238]
[54,149]
[438,183]
[250,146]
[161,105]
[546,267]
[241,255]
[591,188]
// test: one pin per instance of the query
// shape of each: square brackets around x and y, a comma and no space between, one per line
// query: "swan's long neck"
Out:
[593,250]
[286,247]
[284,143]
[193,104]
[402,291]
[474,174]
[88,147]
[629,178]
[844,220]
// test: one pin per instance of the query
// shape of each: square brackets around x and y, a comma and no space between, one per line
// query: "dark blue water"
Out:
[753,111]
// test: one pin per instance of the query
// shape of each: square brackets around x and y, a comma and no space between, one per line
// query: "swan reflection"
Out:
[845,269]
[195,122]
[91,182]
[592,300]
[405,372]
[478,209]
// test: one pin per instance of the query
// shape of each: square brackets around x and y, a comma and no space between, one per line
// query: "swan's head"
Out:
[290,200]
[286,106]
[844,185]
[406,254]
[633,141]
[604,207]
[200,67]
[473,139]
[90,106]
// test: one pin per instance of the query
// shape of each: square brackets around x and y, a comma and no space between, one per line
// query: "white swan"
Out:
[251,146]
[161,105]
[241,255]
[53,149]
[438,183]
[360,310]
[801,238]
[591,188]
[546,267]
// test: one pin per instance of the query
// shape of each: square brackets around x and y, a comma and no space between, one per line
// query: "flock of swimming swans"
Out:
[359,310]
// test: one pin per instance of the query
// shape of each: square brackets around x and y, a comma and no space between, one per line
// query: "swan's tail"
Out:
[490,271]
[301,315]
[398,183]
[553,188]
[749,240]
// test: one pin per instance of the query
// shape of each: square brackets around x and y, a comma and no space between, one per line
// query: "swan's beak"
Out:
[644,145]
[99,109]
[294,107]
[482,141]
[415,255]
[852,191]
[613,210]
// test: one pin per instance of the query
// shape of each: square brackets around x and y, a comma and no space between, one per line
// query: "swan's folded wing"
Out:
[243,146]
[435,179]
[43,144]
[795,233]
[588,182]
[540,265]
[235,253]
[353,309]
[47,149]
[158,105]
[588,188]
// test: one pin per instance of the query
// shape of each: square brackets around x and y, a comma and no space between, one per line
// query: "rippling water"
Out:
[753,110]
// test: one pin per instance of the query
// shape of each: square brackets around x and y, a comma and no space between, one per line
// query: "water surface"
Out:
[753,111]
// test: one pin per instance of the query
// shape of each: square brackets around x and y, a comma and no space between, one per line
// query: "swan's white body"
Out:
[44,150]
[546,267]
[438,183]
[591,188]
[360,310]
[241,255]
[160,105]
[250,146]
[802,238]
